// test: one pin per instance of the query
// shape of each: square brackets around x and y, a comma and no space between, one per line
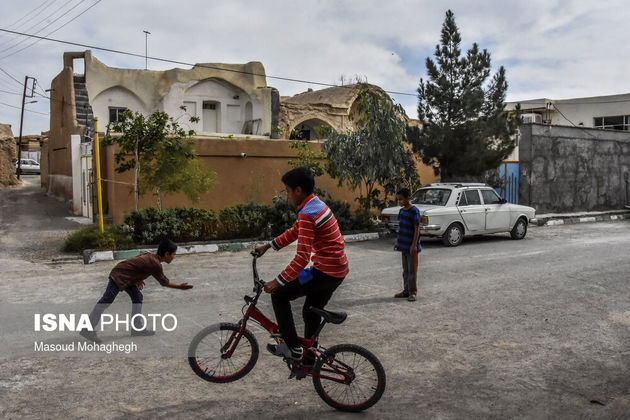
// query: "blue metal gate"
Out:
[508,172]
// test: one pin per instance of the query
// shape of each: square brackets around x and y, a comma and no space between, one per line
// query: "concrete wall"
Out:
[567,169]
[255,177]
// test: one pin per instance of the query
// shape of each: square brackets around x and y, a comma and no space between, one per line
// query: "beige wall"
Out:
[255,177]
[63,123]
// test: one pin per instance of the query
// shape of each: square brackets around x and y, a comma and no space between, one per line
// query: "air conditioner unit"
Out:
[532,118]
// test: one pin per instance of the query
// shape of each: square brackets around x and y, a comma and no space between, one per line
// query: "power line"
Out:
[532,105]
[27,110]
[6,81]
[576,126]
[44,19]
[9,92]
[183,63]
[51,32]
[11,76]
[31,12]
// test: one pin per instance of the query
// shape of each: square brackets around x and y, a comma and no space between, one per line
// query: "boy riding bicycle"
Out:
[317,232]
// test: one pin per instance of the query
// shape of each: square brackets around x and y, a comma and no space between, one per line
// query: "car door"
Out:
[497,212]
[472,211]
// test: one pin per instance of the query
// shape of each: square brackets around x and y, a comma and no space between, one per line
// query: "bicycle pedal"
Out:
[297,373]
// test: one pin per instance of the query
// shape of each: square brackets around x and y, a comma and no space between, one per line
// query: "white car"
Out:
[454,210]
[28,166]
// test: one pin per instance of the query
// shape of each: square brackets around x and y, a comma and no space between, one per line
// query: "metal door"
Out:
[508,172]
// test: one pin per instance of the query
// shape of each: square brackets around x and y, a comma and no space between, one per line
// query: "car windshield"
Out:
[434,196]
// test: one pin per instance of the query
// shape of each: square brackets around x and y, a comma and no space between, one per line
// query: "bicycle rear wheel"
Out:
[349,378]
[218,354]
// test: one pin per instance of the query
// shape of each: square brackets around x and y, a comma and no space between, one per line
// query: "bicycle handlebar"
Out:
[258,283]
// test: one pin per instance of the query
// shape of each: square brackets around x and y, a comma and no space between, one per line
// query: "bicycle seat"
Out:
[334,317]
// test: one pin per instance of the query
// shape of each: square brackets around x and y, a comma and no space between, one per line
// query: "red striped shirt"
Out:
[318,234]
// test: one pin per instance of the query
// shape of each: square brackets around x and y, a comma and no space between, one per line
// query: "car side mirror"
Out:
[502,201]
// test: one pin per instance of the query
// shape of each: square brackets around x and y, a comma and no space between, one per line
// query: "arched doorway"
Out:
[311,129]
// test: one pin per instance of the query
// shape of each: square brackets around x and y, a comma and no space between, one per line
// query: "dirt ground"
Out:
[538,328]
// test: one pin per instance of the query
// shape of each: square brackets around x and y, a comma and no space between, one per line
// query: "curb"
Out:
[90,256]
[570,220]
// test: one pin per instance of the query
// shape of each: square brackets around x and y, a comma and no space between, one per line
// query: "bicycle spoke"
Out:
[209,350]
[350,378]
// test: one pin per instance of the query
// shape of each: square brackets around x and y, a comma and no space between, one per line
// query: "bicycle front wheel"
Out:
[349,378]
[219,353]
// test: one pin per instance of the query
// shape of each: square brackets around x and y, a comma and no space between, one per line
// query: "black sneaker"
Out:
[142,333]
[282,350]
[402,294]
[90,336]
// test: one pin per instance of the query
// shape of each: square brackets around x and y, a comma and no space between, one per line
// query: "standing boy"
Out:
[408,243]
[129,275]
[316,232]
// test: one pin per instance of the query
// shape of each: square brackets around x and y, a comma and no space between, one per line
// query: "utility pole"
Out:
[146,36]
[19,167]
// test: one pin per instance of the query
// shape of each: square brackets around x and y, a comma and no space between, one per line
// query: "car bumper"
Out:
[533,221]
[393,226]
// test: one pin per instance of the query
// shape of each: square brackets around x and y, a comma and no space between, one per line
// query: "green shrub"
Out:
[150,225]
[282,216]
[90,237]
[248,220]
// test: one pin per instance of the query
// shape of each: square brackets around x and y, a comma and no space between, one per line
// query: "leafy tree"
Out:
[466,129]
[307,157]
[375,153]
[162,155]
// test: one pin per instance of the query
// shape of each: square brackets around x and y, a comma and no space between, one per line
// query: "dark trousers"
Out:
[410,272]
[317,291]
[108,298]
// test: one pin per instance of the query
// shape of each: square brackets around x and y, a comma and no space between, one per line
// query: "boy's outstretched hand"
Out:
[182,286]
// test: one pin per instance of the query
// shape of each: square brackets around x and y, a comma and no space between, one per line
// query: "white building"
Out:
[608,112]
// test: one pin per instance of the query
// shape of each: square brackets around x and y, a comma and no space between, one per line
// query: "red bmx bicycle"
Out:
[346,376]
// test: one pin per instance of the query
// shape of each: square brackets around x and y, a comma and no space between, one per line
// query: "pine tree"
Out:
[466,129]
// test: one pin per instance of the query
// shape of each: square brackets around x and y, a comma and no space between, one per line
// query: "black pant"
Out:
[317,291]
[110,294]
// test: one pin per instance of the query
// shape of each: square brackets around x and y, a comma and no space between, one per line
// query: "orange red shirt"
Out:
[317,233]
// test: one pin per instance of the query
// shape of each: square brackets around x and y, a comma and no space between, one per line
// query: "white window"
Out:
[619,122]
[114,113]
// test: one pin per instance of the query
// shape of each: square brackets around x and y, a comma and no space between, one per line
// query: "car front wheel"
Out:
[453,235]
[519,230]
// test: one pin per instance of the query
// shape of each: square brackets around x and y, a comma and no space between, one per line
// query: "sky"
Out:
[555,49]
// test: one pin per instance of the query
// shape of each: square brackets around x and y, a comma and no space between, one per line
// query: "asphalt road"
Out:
[538,328]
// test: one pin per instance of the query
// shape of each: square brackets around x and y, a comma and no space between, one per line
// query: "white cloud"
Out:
[550,48]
